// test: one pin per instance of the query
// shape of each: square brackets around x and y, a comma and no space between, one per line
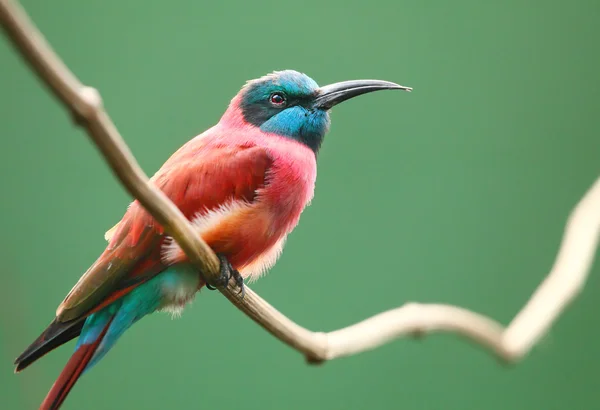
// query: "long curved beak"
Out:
[336,93]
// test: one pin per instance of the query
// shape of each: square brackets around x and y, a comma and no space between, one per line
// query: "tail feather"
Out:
[55,335]
[72,371]
[97,332]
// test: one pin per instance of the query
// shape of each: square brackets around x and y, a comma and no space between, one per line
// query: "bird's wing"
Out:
[195,178]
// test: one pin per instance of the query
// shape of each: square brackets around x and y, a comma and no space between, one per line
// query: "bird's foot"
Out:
[226,273]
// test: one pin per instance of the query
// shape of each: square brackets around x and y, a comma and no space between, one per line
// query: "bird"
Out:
[242,184]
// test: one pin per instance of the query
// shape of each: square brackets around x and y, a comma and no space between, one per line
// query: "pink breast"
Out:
[291,181]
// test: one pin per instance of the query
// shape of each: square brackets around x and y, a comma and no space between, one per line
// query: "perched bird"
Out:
[243,184]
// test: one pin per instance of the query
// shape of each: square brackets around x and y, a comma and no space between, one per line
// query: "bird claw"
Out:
[226,273]
[239,281]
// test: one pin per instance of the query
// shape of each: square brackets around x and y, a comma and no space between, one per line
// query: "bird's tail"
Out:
[55,335]
[97,334]
[100,332]
[79,361]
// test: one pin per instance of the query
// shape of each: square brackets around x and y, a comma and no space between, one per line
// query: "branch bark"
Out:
[561,286]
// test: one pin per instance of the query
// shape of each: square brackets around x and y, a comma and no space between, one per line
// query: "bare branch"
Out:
[566,279]
[560,287]
[86,105]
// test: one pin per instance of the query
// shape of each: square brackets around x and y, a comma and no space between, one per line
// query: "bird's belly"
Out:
[249,235]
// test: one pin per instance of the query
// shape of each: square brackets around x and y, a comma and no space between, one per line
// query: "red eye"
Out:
[277,99]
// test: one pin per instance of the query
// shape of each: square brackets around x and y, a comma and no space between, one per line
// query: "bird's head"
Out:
[291,104]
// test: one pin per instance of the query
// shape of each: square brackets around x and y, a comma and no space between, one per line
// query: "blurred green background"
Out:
[455,193]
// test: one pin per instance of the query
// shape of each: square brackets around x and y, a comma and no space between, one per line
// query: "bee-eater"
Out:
[243,185]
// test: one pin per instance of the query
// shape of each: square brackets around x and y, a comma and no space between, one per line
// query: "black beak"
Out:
[334,94]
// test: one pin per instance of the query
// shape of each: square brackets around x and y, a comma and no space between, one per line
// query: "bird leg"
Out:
[226,273]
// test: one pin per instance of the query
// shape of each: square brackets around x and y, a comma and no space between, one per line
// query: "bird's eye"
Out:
[277,99]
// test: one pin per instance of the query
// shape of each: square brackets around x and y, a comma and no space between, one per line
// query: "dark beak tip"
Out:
[395,86]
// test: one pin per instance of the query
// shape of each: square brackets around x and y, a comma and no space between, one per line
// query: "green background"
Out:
[455,193]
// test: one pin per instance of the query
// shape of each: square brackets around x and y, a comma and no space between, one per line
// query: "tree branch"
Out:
[561,286]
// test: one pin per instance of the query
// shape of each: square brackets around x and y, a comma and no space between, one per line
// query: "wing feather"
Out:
[197,178]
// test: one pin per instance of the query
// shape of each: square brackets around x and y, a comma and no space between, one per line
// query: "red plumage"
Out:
[244,190]
[256,184]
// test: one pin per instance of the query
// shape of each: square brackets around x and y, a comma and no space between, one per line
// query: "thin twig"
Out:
[563,283]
